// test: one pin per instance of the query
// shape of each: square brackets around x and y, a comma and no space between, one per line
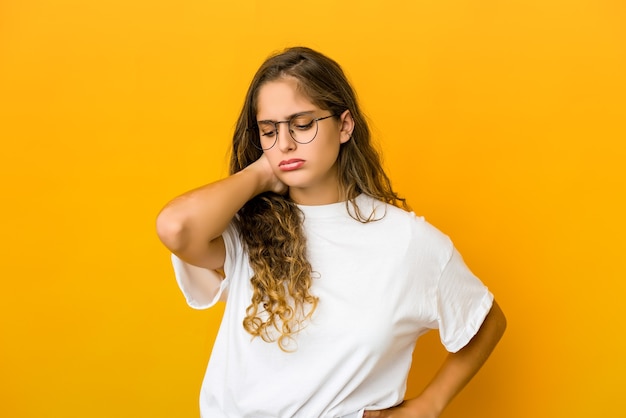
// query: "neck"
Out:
[309,197]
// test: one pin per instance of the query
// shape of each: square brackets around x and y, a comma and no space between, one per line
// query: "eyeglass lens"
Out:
[302,128]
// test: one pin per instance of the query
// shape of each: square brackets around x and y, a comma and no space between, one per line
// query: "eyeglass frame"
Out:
[288,121]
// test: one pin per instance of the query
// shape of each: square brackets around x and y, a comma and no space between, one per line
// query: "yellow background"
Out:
[502,122]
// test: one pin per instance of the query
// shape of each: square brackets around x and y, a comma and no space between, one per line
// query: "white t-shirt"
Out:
[380,285]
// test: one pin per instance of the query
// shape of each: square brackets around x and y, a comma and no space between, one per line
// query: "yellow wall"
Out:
[502,122]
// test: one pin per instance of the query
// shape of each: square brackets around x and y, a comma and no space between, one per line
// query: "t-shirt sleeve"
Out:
[201,287]
[463,302]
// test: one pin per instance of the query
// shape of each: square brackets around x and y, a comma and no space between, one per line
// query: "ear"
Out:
[347,126]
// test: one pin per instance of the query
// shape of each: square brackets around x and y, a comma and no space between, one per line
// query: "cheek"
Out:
[330,151]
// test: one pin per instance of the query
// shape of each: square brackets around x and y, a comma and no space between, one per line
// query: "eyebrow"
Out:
[288,117]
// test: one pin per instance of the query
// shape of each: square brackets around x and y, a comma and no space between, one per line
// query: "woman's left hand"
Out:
[413,408]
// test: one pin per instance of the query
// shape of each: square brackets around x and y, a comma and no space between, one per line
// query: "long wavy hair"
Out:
[270,224]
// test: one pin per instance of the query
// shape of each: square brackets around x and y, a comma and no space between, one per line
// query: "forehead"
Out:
[279,99]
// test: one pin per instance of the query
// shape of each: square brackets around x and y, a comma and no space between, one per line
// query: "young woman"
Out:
[328,279]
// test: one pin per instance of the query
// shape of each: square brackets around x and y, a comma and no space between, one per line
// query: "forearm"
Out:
[459,368]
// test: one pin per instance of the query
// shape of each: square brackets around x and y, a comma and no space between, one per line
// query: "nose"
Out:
[284,140]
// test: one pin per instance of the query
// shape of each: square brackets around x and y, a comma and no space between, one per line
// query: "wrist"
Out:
[425,404]
[436,402]
[259,179]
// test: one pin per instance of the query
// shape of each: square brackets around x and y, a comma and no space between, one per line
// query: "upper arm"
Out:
[495,323]
[210,256]
[183,240]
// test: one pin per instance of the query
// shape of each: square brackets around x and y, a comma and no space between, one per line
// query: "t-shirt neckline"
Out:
[330,210]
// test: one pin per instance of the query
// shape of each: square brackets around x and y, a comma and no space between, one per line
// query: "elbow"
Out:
[171,231]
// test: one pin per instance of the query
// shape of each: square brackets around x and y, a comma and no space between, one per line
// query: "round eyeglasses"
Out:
[302,128]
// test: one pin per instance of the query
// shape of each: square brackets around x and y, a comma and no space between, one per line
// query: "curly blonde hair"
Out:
[270,224]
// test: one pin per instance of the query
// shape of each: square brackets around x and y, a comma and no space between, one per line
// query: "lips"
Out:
[289,165]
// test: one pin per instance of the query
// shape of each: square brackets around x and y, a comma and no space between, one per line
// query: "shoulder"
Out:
[407,226]
[387,213]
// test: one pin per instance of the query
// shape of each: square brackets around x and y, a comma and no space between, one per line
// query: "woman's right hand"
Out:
[271,183]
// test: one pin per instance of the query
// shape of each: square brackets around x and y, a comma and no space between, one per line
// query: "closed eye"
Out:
[303,127]
[267,129]
[302,123]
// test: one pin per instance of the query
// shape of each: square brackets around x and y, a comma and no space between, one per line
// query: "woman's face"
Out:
[309,169]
